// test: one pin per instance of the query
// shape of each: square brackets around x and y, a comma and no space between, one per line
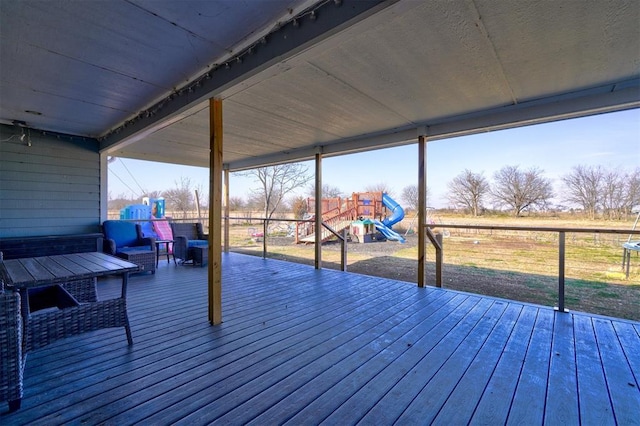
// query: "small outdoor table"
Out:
[47,271]
[626,254]
[62,315]
[166,246]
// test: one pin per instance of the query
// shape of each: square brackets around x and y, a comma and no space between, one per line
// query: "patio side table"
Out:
[166,248]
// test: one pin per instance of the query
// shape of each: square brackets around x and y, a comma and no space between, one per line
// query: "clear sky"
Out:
[611,140]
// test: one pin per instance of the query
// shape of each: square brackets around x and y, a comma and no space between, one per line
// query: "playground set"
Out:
[150,209]
[367,216]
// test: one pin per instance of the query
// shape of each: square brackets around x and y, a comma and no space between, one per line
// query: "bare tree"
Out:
[521,190]
[468,190]
[410,196]
[583,187]
[120,202]
[632,189]
[620,192]
[613,195]
[181,198]
[236,203]
[379,187]
[276,182]
[299,207]
[153,194]
[328,191]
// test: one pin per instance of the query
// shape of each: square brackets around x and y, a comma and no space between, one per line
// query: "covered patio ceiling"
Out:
[299,77]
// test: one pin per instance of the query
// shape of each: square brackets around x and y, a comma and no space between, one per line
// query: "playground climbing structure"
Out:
[364,215]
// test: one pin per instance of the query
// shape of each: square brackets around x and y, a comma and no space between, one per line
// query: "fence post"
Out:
[561,257]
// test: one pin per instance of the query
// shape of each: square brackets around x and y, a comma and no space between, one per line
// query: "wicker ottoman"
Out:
[146,259]
[200,255]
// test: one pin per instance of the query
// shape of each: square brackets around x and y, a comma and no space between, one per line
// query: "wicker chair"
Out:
[187,236]
[46,326]
[11,360]
[125,240]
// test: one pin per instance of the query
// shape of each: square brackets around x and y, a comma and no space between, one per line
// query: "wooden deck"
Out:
[302,346]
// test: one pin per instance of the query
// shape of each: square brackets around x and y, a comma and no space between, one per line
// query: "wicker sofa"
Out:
[186,237]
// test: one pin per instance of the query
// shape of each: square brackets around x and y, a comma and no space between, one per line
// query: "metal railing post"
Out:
[343,257]
[561,257]
[264,238]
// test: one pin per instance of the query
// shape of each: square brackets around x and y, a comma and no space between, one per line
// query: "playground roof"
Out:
[299,77]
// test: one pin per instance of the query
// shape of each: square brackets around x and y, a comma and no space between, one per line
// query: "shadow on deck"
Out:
[305,346]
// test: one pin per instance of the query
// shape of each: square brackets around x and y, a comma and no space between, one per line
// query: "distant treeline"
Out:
[595,190]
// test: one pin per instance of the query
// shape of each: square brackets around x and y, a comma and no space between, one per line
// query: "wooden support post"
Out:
[215,211]
[439,260]
[422,208]
[436,241]
[225,196]
[318,206]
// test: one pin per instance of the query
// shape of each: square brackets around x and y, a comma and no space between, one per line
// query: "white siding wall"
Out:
[49,188]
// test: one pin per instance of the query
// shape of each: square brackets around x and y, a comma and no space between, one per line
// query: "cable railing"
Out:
[535,251]
[579,268]
[268,230]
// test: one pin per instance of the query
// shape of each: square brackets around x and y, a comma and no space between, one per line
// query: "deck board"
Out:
[527,406]
[461,401]
[595,406]
[301,346]
[562,398]
[493,405]
[623,388]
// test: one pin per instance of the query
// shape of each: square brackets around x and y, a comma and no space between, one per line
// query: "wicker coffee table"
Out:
[146,259]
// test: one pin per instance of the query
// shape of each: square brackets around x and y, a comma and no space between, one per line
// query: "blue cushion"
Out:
[130,249]
[197,243]
[123,233]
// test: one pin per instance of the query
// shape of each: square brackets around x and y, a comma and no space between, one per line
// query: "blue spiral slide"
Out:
[397,214]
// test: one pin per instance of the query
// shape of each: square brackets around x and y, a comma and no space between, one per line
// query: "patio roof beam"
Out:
[598,100]
[286,41]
